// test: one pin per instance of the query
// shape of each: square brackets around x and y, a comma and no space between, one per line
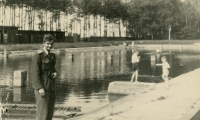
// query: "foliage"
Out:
[87,7]
[145,19]
[114,9]
[110,9]
[153,18]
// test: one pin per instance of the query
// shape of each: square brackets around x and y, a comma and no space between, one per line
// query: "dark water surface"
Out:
[84,79]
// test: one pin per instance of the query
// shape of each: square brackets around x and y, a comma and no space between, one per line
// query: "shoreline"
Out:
[143,47]
[21,51]
[22,47]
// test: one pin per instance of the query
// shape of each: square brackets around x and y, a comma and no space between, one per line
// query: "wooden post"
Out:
[153,61]
[18,94]
[109,55]
[20,77]
[70,55]
[133,44]
[5,54]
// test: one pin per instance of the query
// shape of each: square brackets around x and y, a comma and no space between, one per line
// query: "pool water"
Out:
[84,78]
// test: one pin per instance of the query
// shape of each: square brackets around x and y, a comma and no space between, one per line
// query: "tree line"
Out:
[164,19]
[144,19]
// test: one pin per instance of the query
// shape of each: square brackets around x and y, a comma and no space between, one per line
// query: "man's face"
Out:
[48,45]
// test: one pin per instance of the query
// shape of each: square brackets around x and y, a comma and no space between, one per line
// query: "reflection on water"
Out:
[85,75]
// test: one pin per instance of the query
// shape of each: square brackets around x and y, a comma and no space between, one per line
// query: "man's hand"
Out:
[54,75]
[41,92]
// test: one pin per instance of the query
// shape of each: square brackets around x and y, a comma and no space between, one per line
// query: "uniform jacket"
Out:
[42,67]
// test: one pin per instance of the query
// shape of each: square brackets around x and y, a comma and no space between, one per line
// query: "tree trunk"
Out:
[51,22]
[59,24]
[89,25]
[33,20]
[22,17]
[25,19]
[10,16]
[29,18]
[93,29]
[105,27]
[100,26]
[119,27]
[46,19]
[14,16]
[169,30]
[67,24]
[113,32]
[1,14]
[19,16]
[85,27]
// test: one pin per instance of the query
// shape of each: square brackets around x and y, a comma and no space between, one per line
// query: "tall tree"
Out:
[153,17]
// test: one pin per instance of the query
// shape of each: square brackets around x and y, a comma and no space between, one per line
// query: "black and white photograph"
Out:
[99,59]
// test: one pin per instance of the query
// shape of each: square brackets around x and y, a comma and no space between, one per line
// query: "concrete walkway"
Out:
[180,102]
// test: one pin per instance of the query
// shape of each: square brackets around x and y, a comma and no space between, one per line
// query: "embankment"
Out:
[180,102]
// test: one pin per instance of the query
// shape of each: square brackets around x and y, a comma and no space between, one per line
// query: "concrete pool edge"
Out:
[126,106]
[31,52]
[138,46]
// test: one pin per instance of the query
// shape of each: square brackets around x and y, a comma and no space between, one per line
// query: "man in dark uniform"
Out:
[43,76]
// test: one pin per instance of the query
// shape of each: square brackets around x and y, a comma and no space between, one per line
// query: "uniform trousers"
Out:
[45,105]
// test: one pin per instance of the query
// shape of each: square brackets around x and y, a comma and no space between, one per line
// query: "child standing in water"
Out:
[165,66]
[135,66]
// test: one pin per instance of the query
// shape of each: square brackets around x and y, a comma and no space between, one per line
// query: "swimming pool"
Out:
[85,76]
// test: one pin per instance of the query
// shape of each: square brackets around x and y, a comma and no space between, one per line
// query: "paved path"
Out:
[180,102]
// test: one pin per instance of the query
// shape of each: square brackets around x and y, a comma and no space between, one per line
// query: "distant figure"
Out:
[158,50]
[43,76]
[110,44]
[125,44]
[135,60]
[165,66]
[181,63]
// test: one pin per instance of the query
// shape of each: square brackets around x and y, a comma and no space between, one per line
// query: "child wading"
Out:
[165,66]
[135,66]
